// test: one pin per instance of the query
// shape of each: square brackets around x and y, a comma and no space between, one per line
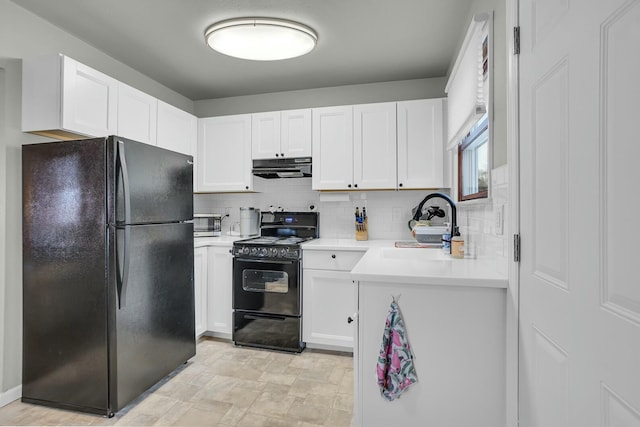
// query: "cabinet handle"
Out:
[281,154]
[246,187]
[277,155]
[333,256]
[400,185]
[349,185]
[349,319]
[355,185]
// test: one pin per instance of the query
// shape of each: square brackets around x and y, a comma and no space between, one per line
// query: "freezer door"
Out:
[153,306]
[152,185]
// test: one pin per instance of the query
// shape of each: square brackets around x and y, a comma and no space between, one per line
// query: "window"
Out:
[473,162]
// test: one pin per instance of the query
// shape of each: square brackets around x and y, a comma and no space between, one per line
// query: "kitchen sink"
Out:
[418,254]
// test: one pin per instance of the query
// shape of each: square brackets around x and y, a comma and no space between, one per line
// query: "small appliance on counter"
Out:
[207,225]
[429,234]
[249,222]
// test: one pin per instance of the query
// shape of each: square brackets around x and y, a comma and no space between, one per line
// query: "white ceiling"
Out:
[360,41]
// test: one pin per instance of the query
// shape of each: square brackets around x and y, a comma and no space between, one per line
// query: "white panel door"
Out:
[177,129]
[137,114]
[219,290]
[579,151]
[265,135]
[89,100]
[295,133]
[374,146]
[420,144]
[332,146]
[224,154]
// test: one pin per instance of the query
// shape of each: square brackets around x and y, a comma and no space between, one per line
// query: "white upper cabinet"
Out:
[295,133]
[420,144]
[265,135]
[281,134]
[224,154]
[332,148]
[137,114]
[374,146]
[64,99]
[354,147]
[177,129]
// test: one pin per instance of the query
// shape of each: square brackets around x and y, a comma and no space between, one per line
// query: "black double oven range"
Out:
[267,282]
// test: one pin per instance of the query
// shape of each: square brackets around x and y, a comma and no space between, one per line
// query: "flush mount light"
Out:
[261,39]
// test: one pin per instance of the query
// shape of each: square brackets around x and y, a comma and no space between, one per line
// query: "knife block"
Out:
[362,232]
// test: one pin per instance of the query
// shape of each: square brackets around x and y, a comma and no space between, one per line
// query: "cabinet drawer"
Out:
[331,260]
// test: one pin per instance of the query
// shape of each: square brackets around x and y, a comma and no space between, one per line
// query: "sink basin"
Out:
[418,254]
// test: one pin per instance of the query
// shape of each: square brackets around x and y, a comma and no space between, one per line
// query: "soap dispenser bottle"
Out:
[457,245]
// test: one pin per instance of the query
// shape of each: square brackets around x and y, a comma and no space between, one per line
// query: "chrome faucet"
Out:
[418,214]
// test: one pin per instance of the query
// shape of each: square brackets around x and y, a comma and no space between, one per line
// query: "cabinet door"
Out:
[219,290]
[177,129]
[295,133]
[89,100]
[265,135]
[332,146]
[328,301]
[224,154]
[420,144]
[374,146]
[137,114]
[200,288]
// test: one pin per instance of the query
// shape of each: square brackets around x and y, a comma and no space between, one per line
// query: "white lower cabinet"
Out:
[200,265]
[328,298]
[458,340]
[219,291]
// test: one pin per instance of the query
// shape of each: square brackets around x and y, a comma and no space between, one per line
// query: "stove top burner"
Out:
[275,240]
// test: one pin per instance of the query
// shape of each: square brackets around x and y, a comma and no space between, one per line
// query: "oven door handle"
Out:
[265,261]
[271,317]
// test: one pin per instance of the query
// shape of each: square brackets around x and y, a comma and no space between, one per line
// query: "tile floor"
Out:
[225,385]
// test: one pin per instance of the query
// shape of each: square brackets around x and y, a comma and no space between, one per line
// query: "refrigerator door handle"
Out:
[125,183]
[124,275]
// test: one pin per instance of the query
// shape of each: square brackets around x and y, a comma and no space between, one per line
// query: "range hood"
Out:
[296,167]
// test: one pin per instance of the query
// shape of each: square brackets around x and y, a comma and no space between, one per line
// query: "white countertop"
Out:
[323,244]
[383,262]
[426,266]
[215,241]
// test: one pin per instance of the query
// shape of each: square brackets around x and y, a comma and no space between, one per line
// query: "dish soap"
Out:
[457,245]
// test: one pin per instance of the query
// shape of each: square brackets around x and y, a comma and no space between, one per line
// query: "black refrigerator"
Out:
[108,302]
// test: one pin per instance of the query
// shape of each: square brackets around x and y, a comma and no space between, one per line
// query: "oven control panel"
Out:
[269,252]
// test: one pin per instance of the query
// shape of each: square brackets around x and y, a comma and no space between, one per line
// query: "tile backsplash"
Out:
[388,211]
[484,225]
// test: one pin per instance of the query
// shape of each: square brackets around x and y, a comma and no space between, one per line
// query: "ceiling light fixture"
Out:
[261,39]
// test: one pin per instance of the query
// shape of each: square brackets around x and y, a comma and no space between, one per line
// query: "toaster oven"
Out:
[207,225]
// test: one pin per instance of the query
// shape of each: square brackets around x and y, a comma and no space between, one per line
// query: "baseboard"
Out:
[10,395]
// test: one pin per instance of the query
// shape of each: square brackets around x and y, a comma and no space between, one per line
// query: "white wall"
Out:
[323,97]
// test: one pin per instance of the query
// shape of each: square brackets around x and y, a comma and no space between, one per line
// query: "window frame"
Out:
[481,127]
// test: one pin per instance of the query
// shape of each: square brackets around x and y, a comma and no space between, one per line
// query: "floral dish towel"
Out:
[396,371]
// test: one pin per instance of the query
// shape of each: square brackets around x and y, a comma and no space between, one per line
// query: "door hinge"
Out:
[516,248]
[516,40]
